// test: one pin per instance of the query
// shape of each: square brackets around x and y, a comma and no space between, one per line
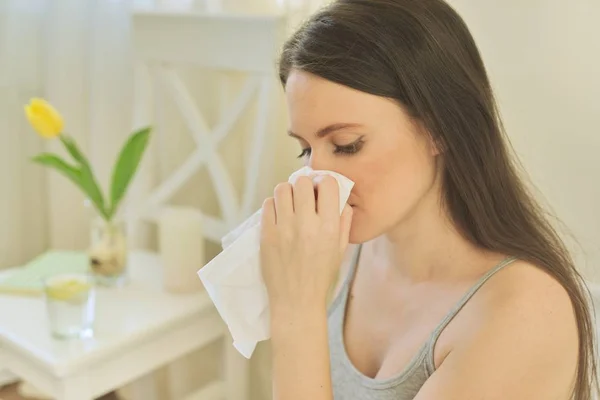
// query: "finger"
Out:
[328,203]
[284,203]
[268,217]
[304,196]
[345,225]
[268,220]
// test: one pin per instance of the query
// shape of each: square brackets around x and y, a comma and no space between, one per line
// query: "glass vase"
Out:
[108,252]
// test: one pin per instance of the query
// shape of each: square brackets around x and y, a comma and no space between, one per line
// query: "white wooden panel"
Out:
[220,41]
[142,116]
[257,151]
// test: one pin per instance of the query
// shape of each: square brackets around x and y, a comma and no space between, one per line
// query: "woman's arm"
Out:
[301,368]
[303,240]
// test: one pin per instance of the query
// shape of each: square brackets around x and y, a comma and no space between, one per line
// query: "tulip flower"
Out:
[48,123]
[44,118]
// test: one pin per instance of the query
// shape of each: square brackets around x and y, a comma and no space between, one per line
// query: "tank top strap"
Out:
[467,296]
[353,266]
[350,275]
[345,288]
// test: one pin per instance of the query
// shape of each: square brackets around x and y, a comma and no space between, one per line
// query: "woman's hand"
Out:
[303,239]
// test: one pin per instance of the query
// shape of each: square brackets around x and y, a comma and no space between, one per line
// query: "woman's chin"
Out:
[358,233]
[364,228]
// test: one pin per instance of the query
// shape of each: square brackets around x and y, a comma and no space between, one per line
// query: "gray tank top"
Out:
[351,384]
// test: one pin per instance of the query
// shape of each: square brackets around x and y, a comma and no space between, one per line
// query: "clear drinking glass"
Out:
[70,300]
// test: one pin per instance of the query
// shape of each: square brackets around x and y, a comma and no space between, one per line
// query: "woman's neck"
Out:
[427,246]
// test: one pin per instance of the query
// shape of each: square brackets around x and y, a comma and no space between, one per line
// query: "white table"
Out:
[139,329]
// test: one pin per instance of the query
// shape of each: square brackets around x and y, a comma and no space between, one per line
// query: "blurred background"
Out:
[112,65]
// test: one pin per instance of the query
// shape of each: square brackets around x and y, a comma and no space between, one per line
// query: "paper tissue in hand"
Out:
[233,279]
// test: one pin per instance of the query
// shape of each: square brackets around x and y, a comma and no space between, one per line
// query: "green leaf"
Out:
[126,166]
[76,175]
[54,161]
[73,150]
[94,193]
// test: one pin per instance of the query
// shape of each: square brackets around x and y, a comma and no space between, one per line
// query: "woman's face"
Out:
[369,139]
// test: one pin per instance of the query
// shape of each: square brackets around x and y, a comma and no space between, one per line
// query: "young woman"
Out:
[452,284]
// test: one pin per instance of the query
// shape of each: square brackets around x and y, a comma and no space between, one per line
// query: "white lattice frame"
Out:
[232,42]
[206,153]
[256,55]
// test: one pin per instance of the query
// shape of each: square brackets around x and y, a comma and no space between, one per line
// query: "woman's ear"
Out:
[437,148]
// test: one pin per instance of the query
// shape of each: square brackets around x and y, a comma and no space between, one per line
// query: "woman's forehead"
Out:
[313,100]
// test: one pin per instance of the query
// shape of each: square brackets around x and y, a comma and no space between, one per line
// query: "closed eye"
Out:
[351,148]
[348,149]
[305,153]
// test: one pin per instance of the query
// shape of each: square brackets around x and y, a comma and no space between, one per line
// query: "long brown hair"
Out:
[421,53]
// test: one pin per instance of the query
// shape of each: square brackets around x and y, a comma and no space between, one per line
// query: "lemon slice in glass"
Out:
[67,288]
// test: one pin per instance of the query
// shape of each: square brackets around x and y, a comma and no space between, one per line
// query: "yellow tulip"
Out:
[44,118]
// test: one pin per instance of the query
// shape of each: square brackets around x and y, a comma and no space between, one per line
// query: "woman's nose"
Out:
[318,162]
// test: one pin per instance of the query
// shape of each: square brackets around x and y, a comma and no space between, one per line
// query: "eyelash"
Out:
[346,150]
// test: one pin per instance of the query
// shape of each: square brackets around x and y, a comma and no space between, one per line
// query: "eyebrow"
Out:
[328,129]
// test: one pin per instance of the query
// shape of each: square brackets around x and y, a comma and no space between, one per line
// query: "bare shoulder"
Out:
[527,302]
[527,294]
[517,339]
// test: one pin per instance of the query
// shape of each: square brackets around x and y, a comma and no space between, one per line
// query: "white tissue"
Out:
[233,279]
